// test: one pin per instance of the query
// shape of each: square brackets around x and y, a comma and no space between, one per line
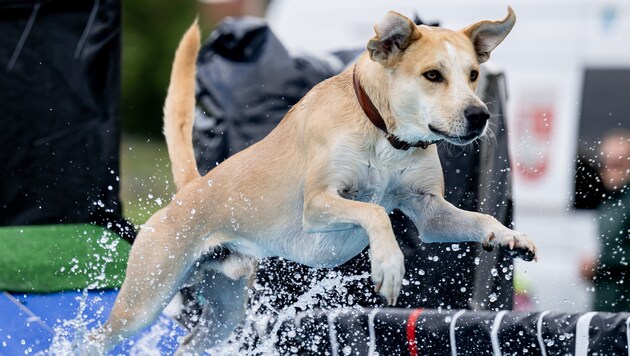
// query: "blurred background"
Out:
[568,73]
[151,32]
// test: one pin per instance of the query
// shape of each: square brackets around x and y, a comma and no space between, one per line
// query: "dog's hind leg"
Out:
[158,264]
[224,300]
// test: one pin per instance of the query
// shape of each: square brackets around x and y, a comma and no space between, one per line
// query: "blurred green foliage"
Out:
[146,181]
[151,31]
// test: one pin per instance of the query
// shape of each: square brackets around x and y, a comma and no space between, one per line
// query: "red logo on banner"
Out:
[534,130]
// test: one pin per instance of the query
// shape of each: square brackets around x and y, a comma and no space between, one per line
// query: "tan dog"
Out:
[318,189]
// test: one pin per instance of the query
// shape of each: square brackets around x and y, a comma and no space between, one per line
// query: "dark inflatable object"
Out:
[454,332]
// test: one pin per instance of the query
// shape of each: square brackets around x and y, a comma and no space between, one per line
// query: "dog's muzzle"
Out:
[477,118]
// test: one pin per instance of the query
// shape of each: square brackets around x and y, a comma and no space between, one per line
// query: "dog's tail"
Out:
[179,108]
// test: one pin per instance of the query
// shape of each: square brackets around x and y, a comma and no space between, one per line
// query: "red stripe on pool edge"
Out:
[411,331]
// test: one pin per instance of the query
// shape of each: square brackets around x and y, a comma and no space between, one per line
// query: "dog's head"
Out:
[433,75]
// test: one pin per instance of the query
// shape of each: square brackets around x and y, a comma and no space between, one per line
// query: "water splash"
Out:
[149,344]
[260,333]
[71,337]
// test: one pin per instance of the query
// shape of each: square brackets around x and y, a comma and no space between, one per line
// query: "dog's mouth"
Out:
[457,140]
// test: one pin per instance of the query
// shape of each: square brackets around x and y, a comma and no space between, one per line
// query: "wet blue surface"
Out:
[28,322]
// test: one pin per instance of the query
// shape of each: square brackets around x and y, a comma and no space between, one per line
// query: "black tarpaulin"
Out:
[60,87]
[247,81]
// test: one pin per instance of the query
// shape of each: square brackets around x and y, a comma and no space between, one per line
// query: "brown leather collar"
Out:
[375,117]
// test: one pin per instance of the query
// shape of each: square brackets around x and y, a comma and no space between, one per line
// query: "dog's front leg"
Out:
[326,211]
[439,221]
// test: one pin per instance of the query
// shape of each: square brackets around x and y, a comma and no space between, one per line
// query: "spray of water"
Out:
[260,333]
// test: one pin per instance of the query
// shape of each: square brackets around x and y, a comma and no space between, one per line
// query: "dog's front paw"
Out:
[514,243]
[388,270]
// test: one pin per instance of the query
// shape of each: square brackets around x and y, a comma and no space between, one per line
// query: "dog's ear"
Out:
[486,35]
[393,35]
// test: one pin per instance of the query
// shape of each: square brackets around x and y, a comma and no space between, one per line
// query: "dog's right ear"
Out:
[393,35]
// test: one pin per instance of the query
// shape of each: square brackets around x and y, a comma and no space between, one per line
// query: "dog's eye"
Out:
[474,75]
[434,76]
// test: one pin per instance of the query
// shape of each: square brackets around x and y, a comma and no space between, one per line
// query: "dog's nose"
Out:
[477,117]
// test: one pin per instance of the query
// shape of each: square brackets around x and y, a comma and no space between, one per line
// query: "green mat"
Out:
[52,258]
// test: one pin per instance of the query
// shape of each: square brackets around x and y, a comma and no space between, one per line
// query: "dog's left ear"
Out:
[393,35]
[486,35]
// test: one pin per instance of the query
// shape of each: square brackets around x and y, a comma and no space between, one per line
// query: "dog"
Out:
[317,190]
